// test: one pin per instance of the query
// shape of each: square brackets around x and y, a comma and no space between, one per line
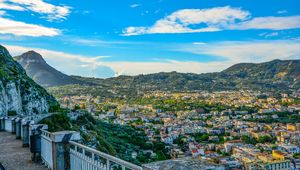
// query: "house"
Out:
[277,155]
[195,152]
[291,127]
[291,149]
[230,144]
[177,153]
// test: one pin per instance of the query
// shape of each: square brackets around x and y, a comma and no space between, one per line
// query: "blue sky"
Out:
[100,38]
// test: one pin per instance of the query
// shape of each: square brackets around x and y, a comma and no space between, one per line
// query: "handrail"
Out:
[108,157]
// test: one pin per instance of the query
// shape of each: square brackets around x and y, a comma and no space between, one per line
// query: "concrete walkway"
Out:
[13,156]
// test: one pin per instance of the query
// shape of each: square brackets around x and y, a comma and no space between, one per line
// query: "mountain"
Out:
[276,75]
[45,75]
[19,94]
[273,75]
[276,69]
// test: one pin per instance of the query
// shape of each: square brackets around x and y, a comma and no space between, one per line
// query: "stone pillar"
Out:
[25,131]
[2,123]
[107,164]
[18,128]
[60,148]
[13,125]
[35,141]
[7,124]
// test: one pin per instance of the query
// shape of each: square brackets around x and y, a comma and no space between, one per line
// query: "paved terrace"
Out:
[13,156]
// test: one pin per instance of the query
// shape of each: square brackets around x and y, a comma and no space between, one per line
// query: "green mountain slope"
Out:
[19,94]
[270,76]
[276,75]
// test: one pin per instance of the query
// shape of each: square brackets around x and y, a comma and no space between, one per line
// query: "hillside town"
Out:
[230,129]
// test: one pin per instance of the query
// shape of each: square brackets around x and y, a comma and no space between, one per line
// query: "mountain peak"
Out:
[30,57]
[45,75]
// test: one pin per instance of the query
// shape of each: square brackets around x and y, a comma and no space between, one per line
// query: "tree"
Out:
[249,140]
[160,156]
[11,113]
[76,107]
[265,139]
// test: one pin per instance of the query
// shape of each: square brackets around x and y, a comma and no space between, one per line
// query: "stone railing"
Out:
[85,158]
[60,150]
[55,148]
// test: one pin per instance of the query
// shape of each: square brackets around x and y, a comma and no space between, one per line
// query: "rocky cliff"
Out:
[18,93]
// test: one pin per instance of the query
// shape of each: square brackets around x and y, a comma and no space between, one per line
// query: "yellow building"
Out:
[277,155]
[276,162]
[291,127]
[268,127]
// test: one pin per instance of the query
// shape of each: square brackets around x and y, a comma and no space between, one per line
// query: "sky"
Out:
[107,38]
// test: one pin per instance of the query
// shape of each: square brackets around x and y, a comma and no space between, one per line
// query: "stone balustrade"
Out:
[60,150]
[85,158]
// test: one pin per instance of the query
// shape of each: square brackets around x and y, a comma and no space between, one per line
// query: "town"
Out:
[229,129]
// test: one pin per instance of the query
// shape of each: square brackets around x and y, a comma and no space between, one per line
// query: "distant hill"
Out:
[45,75]
[276,75]
[269,75]
[19,93]
[277,69]
[273,75]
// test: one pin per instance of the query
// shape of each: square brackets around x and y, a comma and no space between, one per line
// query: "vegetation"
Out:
[261,139]
[272,76]
[58,122]
[113,139]
[296,155]
[11,113]
[283,117]
[12,72]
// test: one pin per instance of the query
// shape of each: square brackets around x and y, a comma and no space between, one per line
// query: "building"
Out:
[291,149]
[291,127]
[277,155]
[276,165]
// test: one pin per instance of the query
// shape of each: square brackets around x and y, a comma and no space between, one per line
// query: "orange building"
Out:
[291,127]
[277,155]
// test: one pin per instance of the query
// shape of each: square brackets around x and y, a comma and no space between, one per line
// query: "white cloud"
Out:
[199,43]
[218,15]
[248,51]
[6,6]
[213,19]
[135,5]
[282,12]
[51,12]
[88,42]
[179,21]
[2,13]
[19,28]
[268,35]
[270,23]
[94,42]
[93,66]
[230,53]
[8,26]
[135,68]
